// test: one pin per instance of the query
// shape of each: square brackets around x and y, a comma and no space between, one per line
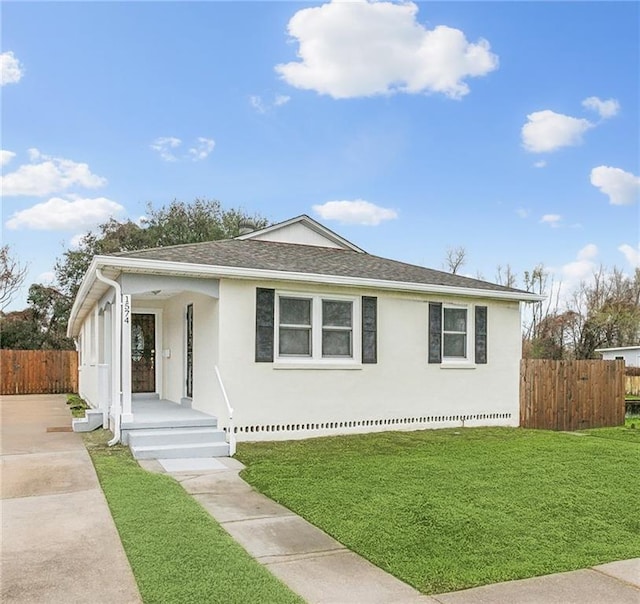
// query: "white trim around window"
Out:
[457,338]
[310,329]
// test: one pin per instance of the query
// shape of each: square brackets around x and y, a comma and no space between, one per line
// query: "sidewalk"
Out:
[323,571]
[59,542]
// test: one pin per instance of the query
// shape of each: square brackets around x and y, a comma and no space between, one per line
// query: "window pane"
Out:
[454,345]
[295,311]
[336,343]
[336,314]
[295,341]
[455,319]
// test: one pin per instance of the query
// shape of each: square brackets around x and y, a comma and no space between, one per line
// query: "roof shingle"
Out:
[296,258]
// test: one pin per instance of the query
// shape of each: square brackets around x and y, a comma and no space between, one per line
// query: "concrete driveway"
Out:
[59,542]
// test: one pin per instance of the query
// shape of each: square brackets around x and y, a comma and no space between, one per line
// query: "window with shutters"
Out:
[457,334]
[295,328]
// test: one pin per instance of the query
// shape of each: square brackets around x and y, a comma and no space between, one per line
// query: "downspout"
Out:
[116,354]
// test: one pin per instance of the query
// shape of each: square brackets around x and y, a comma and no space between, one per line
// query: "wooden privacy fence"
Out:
[38,371]
[632,384]
[571,395]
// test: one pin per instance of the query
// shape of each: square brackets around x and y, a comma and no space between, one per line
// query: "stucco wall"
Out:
[205,337]
[401,391]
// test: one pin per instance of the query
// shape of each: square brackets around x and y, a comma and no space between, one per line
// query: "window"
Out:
[337,328]
[454,333]
[295,327]
[315,327]
[304,328]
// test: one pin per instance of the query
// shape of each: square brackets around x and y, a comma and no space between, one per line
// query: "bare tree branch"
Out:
[455,259]
[12,276]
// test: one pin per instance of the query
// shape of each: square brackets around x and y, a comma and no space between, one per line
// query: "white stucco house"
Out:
[284,333]
[629,354]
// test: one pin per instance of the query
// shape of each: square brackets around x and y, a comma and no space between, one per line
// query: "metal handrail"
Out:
[230,428]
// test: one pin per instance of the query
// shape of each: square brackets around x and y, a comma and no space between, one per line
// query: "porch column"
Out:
[125,353]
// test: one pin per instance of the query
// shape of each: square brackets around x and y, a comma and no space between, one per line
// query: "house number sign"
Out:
[126,308]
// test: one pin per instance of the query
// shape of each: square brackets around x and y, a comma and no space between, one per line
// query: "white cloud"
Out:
[281,99]
[164,144]
[547,131]
[6,156]
[257,103]
[360,48]
[262,106]
[553,220]
[622,188]
[582,267]
[11,69]
[202,148]
[540,164]
[605,109]
[354,212]
[46,278]
[631,254]
[48,175]
[60,214]
[76,240]
[588,252]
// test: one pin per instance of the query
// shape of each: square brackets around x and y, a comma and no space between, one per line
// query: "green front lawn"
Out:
[177,551]
[450,509]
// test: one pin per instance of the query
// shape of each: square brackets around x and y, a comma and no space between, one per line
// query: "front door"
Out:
[143,352]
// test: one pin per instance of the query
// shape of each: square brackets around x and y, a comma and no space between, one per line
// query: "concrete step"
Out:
[91,421]
[175,436]
[220,449]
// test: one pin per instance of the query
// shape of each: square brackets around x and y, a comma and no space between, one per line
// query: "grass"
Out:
[451,509]
[77,405]
[177,551]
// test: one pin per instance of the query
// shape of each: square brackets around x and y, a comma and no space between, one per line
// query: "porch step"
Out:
[176,436]
[218,449]
[91,421]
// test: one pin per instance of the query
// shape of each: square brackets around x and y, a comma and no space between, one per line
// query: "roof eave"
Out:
[172,267]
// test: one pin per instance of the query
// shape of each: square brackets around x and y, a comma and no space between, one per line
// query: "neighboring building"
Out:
[629,354]
[302,332]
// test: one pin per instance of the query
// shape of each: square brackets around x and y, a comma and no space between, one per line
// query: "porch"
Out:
[161,429]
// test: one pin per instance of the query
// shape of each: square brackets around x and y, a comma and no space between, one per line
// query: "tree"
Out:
[543,334]
[19,330]
[12,276]
[505,276]
[606,312]
[177,223]
[455,259]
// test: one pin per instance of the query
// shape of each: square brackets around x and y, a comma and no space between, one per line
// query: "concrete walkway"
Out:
[59,542]
[323,571]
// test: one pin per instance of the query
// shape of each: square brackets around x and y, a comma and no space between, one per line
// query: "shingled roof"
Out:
[308,259]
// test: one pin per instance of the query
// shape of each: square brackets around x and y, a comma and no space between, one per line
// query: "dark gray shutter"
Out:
[435,332]
[481,335]
[265,305]
[369,329]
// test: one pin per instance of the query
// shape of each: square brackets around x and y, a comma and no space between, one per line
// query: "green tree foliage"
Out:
[43,324]
[174,224]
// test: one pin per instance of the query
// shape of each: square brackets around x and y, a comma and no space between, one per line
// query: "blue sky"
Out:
[509,128]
